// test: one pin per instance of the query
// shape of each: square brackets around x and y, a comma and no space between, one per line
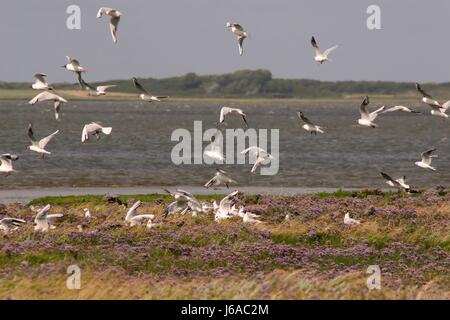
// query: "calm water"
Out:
[137,153]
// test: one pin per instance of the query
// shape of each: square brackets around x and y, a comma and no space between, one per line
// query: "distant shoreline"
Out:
[78,95]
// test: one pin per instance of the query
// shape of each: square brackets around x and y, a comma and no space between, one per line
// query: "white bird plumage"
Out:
[240,33]
[350,221]
[227,110]
[427,157]
[113,22]
[133,218]
[367,119]
[95,129]
[49,96]
[262,156]
[6,163]
[220,178]
[44,221]
[321,57]
[39,145]
[309,125]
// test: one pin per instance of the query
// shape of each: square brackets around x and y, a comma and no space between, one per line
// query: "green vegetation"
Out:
[249,83]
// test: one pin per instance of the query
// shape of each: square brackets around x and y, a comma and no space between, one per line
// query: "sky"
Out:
[163,38]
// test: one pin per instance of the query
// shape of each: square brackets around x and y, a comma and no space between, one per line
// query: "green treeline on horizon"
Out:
[256,83]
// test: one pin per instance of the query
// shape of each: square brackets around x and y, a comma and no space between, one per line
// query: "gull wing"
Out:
[44,141]
[86,85]
[223,112]
[73,61]
[53,217]
[102,11]
[388,178]
[114,22]
[104,88]
[132,211]
[423,92]
[31,134]
[426,156]
[140,87]
[373,115]
[43,212]
[363,109]
[12,222]
[304,119]
[240,42]
[329,50]
[57,106]
[40,77]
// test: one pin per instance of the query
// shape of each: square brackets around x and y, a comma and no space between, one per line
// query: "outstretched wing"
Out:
[44,141]
[31,134]
[304,119]
[114,22]
[363,109]
[423,92]
[139,86]
[329,50]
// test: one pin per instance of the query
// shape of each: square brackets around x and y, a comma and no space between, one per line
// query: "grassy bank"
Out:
[312,255]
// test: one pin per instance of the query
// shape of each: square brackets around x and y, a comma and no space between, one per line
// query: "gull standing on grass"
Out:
[226,110]
[427,157]
[133,219]
[309,126]
[220,178]
[40,83]
[367,119]
[184,201]
[87,213]
[350,221]
[44,221]
[146,95]
[436,108]
[49,96]
[96,91]
[262,156]
[240,33]
[321,57]
[10,224]
[95,129]
[6,163]
[39,146]
[113,22]
[399,183]
[224,209]
[74,66]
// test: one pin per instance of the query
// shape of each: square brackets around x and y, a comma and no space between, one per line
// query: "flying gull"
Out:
[367,119]
[146,95]
[95,129]
[226,110]
[309,126]
[6,163]
[40,83]
[220,178]
[262,156]
[427,157]
[240,33]
[39,145]
[113,22]
[321,57]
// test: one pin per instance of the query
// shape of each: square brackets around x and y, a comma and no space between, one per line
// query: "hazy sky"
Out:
[160,38]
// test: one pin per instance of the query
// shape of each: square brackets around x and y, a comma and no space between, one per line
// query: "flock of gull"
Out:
[183,201]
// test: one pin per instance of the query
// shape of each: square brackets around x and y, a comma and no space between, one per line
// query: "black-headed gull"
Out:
[96,91]
[44,221]
[9,224]
[225,207]
[436,108]
[350,221]
[74,66]
[113,22]
[146,95]
[262,156]
[240,33]
[39,145]
[251,218]
[399,183]
[133,219]
[367,119]
[227,110]
[309,126]
[95,129]
[220,178]
[184,201]
[6,163]
[321,57]
[427,157]
[49,96]
[40,83]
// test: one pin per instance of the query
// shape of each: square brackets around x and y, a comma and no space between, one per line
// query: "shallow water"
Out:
[138,152]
